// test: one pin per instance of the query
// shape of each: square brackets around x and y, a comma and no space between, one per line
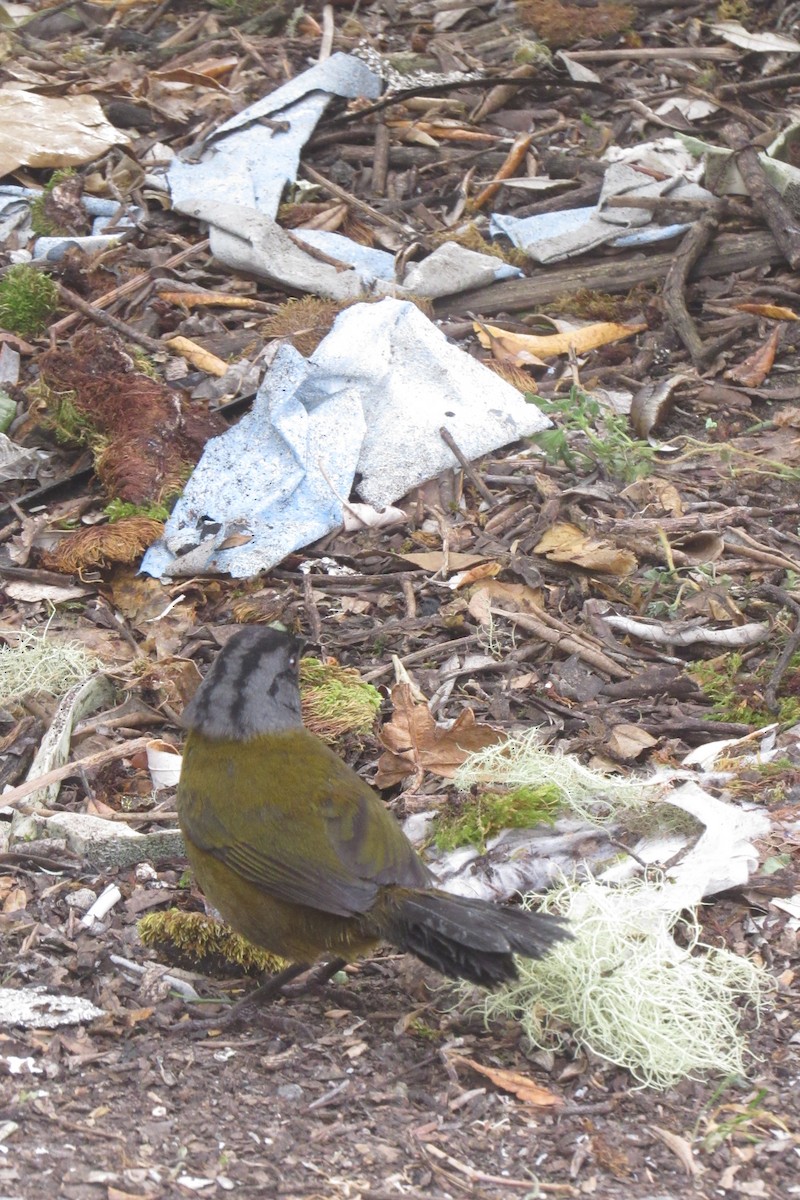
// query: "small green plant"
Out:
[740,1122]
[120,510]
[41,222]
[738,695]
[607,443]
[28,299]
[335,700]
[734,10]
[204,942]
[481,818]
[425,1033]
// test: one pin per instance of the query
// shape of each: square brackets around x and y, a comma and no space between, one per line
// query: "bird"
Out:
[301,856]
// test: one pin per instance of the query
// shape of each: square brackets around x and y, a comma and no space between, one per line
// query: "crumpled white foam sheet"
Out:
[372,398]
[244,166]
[552,237]
[243,169]
[245,162]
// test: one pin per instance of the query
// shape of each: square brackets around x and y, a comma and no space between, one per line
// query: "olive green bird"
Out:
[299,855]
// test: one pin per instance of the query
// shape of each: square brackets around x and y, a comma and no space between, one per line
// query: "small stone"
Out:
[290,1091]
[82,899]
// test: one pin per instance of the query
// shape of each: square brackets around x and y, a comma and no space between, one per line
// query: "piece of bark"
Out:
[730,252]
[692,245]
[777,214]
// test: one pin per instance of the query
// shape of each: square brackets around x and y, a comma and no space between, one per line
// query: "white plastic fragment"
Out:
[163,763]
[34,1008]
[108,898]
[550,237]
[777,160]
[245,164]
[371,399]
[724,856]
[765,42]
[20,462]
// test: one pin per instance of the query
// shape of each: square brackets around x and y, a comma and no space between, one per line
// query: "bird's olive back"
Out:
[251,689]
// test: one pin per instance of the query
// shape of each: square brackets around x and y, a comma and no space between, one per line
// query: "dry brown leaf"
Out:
[701,547]
[504,349]
[183,75]
[514,1082]
[757,366]
[567,543]
[515,596]
[775,311]
[629,741]
[434,560]
[787,417]
[655,493]
[415,743]
[578,340]
[651,405]
[485,570]
[15,899]
[680,1148]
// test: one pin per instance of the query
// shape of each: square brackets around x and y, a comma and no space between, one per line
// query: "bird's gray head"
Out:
[252,687]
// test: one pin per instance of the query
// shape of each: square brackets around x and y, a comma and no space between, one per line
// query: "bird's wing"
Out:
[330,848]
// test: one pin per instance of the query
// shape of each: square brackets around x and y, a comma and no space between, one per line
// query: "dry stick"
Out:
[354,202]
[312,612]
[789,650]
[615,275]
[657,54]
[692,246]
[764,84]
[380,163]
[467,466]
[128,288]
[105,320]
[15,794]
[569,644]
[780,218]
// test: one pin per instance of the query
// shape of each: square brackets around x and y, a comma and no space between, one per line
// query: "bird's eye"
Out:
[293,660]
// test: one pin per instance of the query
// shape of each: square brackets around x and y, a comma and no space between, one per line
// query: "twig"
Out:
[328,30]
[789,650]
[354,202]
[107,321]
[729,253]
[780,218]
[15,794]
[763,84]
[429,652]
[568,643]
[380,163]
[689,251]
[467,466]
[312,612]
[128,288]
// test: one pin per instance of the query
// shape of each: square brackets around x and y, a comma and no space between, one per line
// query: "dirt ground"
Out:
[358,1091]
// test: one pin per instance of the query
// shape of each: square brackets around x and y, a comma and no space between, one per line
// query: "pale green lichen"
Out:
[627,991]
[521,763]
[38,664]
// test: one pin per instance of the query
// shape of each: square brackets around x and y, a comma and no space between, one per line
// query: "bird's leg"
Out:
[316,978]
[269,989]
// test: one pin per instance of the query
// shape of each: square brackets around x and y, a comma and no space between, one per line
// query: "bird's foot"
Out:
[270,989]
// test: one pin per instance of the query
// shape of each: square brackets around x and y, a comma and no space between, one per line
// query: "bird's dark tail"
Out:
[469,939]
